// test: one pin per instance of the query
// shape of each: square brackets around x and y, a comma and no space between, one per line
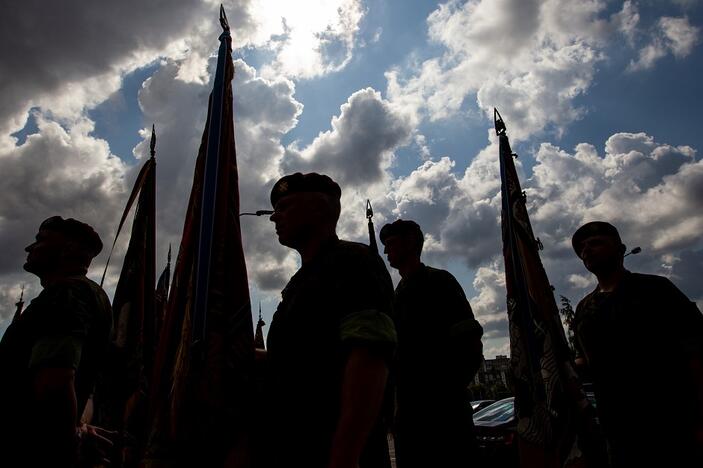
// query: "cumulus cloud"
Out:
[458,212]
[68,57]
[676,36]
[530,58]
[72,51]
[358,148]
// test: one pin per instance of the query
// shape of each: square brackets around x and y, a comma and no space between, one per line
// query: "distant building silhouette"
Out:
[494,371]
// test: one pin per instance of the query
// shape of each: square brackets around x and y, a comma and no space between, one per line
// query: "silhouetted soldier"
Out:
[49,356]
[439,352]
[331,337]
[642,341]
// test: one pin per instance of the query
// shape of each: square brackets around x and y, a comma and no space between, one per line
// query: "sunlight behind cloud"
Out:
[310,38]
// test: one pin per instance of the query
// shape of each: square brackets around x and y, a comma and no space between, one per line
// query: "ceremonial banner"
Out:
[544,381]
[203,379]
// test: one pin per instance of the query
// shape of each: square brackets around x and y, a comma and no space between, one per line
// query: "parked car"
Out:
[478,405]
[496,434]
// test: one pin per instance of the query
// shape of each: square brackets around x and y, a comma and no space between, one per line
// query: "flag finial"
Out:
[152,147]
[498,122]
[369,209]
[168,258]
[223,19]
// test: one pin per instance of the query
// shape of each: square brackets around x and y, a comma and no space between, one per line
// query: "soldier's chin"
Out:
[30,267]
[286,241]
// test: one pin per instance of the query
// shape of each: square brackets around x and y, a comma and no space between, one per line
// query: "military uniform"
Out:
[433,368]
[338,301]
[636,341]
[66,326]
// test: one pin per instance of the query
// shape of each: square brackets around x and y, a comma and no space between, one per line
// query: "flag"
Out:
[259,335]
[120,396]
[161,294]
[203,380]
[544,381]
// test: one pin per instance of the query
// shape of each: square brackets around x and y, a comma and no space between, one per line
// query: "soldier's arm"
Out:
[687,323]
[363,385]
[53,362]
[368,334]
[56,413]
[465,333]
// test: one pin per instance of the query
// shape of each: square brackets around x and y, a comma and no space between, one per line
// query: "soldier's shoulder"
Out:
[584,301]
[647,279]
[83,290]
[82,285]
[437,274]
[353,250]
[652,285]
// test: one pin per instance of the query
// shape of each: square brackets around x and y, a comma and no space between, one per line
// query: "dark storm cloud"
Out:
[47,45]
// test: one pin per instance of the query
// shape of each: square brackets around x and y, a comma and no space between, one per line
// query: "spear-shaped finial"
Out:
[168,257]
[259,311]
[152,148]
[372,231]
[19,305]
[498,121]
[223,19]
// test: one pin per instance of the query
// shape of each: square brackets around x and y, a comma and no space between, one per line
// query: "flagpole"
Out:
[210,190]
[523,295]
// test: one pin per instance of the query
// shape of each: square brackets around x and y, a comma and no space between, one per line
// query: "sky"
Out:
[393,99]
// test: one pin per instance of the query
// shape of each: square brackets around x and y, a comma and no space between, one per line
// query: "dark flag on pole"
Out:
[161,294]
[121,395]
[544,381]
[259,335]
[203,378]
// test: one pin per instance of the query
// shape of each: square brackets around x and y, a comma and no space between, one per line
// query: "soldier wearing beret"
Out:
[641,340]
[331,337]
[50,355]
[439,352]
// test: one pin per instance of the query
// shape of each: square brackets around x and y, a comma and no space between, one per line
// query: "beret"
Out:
[76,231]
[594,228]
[298,182]
[401,227]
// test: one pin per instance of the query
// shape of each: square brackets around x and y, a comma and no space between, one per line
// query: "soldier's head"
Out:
[64,246]
[599,246]
[402,241]
[305,206]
